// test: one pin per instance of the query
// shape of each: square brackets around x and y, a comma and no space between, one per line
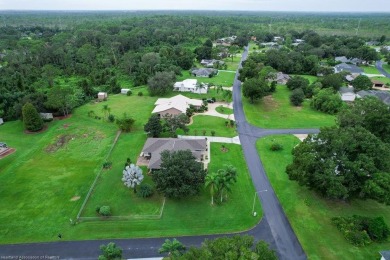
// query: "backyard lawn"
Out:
[189,216]
[310,78]
[46,180]
[370,70]
[386,67]
[224,78]
[276,112]
[232,64]
[210,123]
[310,215]
[382,79]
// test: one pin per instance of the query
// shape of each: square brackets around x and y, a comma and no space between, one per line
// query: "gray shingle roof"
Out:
[385,254]
[348,67]
[382,95]
[155,146]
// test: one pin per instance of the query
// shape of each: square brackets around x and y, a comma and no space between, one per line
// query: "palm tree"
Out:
[224,182]
[227,95]
[218,88]
[173,248]
[212,181]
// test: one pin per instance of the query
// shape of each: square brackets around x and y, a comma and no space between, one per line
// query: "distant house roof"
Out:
[348,68]
[203,72]
[268,44]
[282,76]
[178,102]
[351,77]
[347,94]
[371,43]
[385,254]
[344,59]
[382,95]
[210,63]
[46,116]
[1,121]
[154,147]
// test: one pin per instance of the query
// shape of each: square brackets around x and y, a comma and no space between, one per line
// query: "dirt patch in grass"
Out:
[60,142]
[299,108]
[74,198]
[224,149]
[99,135]
[65,126]
[62,117]
[270,103]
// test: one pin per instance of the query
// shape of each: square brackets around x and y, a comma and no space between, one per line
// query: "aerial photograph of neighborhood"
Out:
[197,130]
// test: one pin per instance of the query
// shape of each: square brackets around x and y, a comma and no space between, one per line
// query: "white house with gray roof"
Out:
[151,152]
[190,85]
[175,105]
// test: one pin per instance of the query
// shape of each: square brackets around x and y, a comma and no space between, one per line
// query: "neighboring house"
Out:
[344,59]
[151,152]
[204,72]
[385,255]
[282,78]
[348,68]
[377,84]
[372,43]
[190,85]
[351,77]
[46,116]
[124,90]
[384,96]
[386,48]
[210,63]
[299,41]
[102,95]
[1,121]
[347,94]
[278,38]
[175,105]
[269,44]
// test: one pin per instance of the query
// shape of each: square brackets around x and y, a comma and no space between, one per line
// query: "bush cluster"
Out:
[276,147]
[361,231]
[145,190]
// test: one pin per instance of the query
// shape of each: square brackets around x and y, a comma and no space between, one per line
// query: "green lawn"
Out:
[370,70]
[310,78]
[213,92]
[276,112]
[42,177]
[190,216]
[224,78]
[386,67]
[209,123]
[310,215]
[232,64]
[224,110]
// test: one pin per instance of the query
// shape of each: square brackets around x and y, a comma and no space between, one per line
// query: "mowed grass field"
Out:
[223,78]
[386,67]
[370,70]
[190,216]
[310,215]
[46,180]
[276,111]
[210,123]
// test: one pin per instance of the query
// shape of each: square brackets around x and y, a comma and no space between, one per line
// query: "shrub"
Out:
[204,132]
[213,99]
[212,133]
[145,190]
[297,96]
[129,93]
[91,113]
[111,118]
[107,165]
[276,147]
[31,119]
[377,229]
[105,211]
[140,94]
[232,123]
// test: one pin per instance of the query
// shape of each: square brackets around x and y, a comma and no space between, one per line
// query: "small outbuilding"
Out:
[385,255]
[46,116]
[125,90]
[102,95]
[1,121]
[377,84]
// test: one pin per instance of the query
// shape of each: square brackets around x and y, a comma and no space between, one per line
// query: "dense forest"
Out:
[74,55]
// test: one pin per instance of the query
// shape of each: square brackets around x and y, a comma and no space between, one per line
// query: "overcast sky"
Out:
[253,5]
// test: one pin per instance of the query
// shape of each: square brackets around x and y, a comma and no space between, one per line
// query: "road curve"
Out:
[379,66]
[273,228]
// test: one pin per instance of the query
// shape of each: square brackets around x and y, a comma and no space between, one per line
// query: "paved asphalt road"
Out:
[378,65]
[273,228]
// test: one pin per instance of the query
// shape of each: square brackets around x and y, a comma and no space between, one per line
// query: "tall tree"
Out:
[132,176]
[212,182]
[180,175]
[161,83]
[255,89]
[361,82]
[153,127]
[31,119]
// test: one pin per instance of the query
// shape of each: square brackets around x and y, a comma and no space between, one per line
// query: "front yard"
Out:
[309,214]
[223,78]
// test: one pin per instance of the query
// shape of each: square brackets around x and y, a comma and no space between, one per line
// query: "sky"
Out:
[252,5]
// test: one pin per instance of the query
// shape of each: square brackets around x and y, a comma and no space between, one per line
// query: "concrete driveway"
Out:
[213,112]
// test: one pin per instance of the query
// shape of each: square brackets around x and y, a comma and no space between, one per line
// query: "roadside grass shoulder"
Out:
[370,70]
[309,214]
